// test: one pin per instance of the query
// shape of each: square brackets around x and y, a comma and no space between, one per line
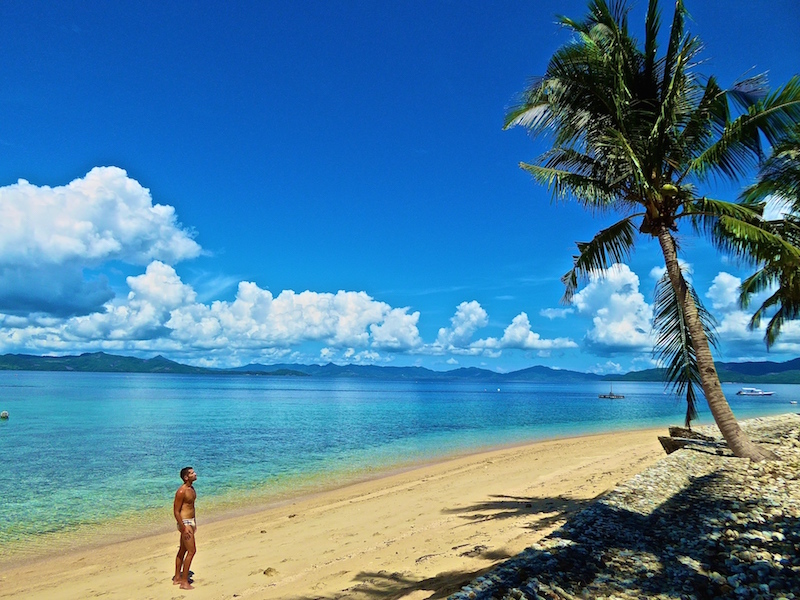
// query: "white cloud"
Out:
[103,216]
[363,357]
[620,316]
[162,313]
[732,327]
[606,368]
[732,322]
[398,331]
[48,235]
[469,317]
[724,292]
[518,335]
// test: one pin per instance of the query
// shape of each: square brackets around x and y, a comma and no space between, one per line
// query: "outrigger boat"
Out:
[611,394]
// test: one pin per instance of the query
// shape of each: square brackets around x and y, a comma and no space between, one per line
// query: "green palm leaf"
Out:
[674,349]
[611,245]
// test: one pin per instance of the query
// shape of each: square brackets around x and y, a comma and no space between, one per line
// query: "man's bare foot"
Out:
[185,585]
[176,581]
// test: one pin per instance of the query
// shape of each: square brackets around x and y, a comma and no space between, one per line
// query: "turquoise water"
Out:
[86,451]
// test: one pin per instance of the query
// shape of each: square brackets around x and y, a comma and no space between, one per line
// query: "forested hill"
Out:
[534,374]
[100,362]
[95,362]
[744,372]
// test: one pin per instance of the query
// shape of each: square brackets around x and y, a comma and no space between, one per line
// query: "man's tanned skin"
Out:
[183,508]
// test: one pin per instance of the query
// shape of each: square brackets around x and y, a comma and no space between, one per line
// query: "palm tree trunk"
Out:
[737,440]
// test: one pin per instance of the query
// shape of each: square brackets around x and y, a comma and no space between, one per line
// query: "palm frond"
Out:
[611,245]
[780,173]
[674,348]
[652,25]
[739,147]
[783,275]
[591,192]
[676,34]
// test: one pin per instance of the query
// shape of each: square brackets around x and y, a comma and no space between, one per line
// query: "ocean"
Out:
[85,455]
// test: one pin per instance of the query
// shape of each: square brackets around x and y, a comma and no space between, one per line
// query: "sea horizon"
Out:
[89,453]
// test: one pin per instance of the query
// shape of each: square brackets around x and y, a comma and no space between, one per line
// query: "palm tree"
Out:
[779,178]
[633,133]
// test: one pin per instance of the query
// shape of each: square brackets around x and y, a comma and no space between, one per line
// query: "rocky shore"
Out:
[699,524]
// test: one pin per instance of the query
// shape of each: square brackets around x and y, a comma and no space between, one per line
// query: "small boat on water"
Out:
[611,394]
[751,391]
[4,415]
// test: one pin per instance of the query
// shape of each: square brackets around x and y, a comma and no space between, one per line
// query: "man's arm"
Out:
[177,505]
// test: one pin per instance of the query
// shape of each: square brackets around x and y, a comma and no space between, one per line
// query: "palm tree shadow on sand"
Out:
[605,549]
[543,514]
[671,550]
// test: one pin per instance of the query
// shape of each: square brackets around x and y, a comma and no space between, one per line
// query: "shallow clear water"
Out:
[83,451]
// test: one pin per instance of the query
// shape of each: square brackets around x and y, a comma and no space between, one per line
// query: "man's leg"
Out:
[191,548]
[179,562]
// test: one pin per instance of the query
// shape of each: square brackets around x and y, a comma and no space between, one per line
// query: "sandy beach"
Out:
[422,533]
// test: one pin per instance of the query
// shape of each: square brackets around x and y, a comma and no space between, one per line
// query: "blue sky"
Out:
[315,181]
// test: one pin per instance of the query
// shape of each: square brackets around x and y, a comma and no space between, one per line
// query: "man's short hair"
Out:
[185,472]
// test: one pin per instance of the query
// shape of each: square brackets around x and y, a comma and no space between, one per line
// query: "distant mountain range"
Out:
[539,374]
[100,362]
[744,372]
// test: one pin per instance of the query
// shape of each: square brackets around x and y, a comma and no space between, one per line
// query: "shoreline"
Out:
[149,523]
[388,513]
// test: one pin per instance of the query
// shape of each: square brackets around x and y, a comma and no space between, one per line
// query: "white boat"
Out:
[750,391]
[4,415]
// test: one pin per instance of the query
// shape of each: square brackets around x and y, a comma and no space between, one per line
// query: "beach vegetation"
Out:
[637,132]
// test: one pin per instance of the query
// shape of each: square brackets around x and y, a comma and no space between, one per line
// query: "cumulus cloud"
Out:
[724,292]
[161,312]
[621,319]
[469,317]
[518,335]
[789,340]
[398,331]
[257,318]
[732,322]
[606,368]
[49,235]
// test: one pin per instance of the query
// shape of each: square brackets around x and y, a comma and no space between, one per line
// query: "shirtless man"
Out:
[183,508]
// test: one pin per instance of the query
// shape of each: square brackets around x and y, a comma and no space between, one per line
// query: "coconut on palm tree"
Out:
[635,132]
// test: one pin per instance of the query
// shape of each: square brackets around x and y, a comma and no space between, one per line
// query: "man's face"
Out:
[191,476]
